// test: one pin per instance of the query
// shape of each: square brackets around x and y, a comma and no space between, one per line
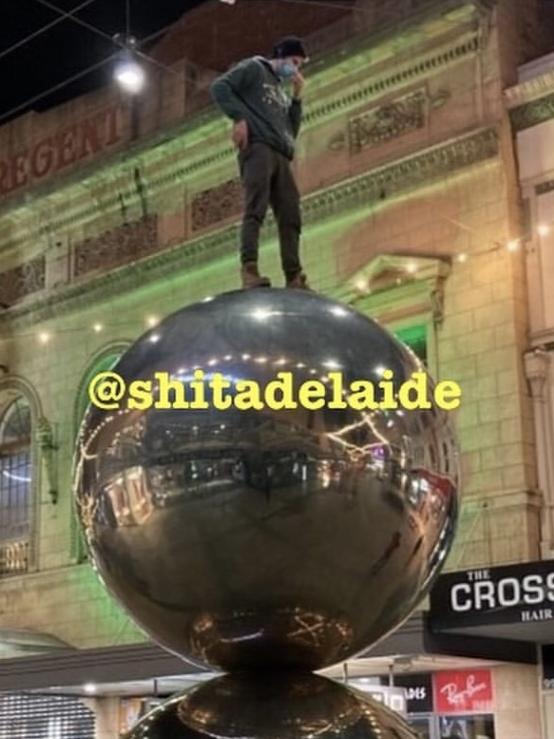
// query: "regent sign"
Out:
[60,150]
[500,595]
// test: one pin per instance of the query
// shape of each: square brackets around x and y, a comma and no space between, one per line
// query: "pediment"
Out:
[390,287]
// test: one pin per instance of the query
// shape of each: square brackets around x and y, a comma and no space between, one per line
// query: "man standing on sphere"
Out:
[266,124]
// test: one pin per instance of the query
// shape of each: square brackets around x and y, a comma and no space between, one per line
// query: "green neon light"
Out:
[416,338]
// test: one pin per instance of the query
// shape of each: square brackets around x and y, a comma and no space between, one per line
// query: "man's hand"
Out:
[240,134]
[297,85]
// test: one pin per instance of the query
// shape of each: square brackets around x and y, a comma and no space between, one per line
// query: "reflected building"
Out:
[425,174]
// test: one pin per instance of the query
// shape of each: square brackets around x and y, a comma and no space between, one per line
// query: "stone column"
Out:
[537,369]
[106,711]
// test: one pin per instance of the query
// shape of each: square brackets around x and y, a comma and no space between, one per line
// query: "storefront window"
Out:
[44,717]
[423,725]
[466,727]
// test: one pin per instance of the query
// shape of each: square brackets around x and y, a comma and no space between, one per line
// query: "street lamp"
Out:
[128,73]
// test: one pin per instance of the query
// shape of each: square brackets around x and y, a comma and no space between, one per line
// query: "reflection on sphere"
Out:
[263,538]
[271,707]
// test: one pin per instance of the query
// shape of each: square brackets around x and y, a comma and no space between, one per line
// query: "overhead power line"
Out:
[118,42]
[56,87]
[45,28]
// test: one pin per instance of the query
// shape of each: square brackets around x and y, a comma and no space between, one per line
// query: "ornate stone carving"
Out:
[116,247]
[544,187]
[45,440]
[338,141]
[387,122]
[23,280]
[428,166]
[177,169]
[14,558]
[393,119]
[216,204]
[440,98]
[532,113]
[402,77]
[402,176]
[437,302]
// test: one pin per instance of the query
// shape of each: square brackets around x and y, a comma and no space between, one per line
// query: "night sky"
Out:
[67,48]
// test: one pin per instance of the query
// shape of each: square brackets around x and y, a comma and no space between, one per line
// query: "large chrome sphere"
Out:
[246,538]
[285,706]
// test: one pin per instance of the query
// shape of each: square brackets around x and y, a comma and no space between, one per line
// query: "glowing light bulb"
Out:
[130,76]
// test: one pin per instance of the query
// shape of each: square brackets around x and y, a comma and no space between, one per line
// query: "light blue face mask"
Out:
[286,70]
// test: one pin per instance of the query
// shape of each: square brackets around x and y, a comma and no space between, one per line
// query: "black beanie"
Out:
[289,46]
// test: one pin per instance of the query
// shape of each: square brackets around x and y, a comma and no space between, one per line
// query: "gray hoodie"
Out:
[252,91]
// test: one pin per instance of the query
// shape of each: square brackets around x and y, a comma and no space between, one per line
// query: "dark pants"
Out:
[267,179]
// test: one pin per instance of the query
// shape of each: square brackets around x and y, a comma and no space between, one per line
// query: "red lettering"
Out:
[66,147]
[5,187]
[112,126]
[41,158]
[19,170]
[54,153]
[90,142]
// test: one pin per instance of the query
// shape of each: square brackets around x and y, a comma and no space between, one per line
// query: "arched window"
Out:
[102,363]
[16,492]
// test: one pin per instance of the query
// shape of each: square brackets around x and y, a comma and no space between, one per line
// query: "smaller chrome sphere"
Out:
[269,706]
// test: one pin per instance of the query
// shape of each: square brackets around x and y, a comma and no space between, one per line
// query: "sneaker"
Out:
[251,277]
[299,282]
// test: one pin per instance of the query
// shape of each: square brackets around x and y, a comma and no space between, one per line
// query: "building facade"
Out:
[530,106]
[115,213]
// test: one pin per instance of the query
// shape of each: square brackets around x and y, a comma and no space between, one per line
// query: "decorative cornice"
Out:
[530,90]
[116,247]
[402,175]
[402,76]
[532,113]
[544,187]
[25,279]
[215,204]
[360,192]
[178,172]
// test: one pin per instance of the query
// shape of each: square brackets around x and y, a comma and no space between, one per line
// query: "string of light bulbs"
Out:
[411,268]
[125,43]
[24,41]
[542,229]
[56,87]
